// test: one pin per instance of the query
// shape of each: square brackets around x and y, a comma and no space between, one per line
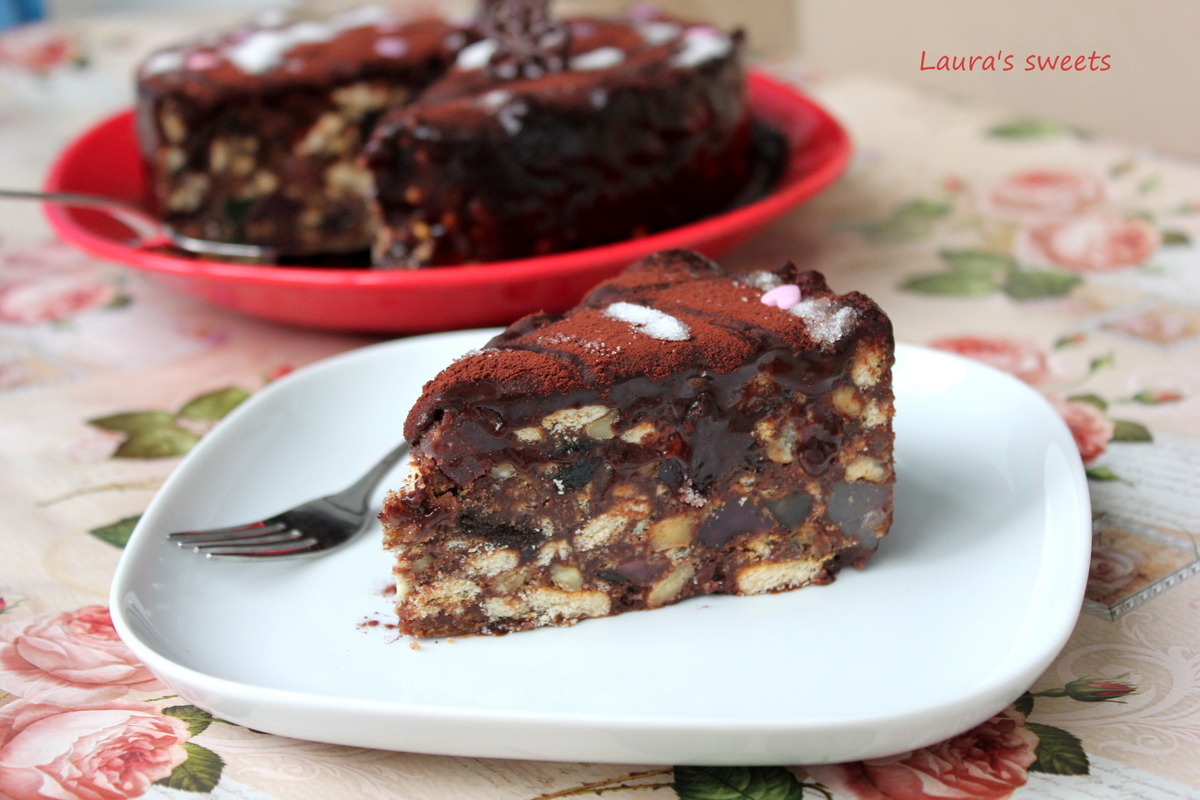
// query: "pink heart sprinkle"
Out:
[391,46]
[203,60]
[783,297]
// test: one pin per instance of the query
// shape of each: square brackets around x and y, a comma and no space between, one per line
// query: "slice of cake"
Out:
[549,136]
[680,432]
[254,135]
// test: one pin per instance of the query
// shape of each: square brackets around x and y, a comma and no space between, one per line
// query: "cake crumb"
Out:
[414,646]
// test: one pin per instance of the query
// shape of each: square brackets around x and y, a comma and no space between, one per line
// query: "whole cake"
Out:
[433,144]
[254,136]
[680,432]
[595,131]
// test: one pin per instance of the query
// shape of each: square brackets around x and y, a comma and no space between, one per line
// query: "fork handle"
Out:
[147,228]
[356,496]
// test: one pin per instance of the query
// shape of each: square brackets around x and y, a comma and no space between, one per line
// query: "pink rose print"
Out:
[1019,359]
[1041,196]
[1112,569]
[1091,429]
[13,373]
[71,658]
[106,752]
[1090,243]
[37,48]
[52,298]
[1160,325]
[988,762]
[49,282]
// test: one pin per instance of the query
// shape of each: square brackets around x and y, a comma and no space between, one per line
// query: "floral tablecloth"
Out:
[1067,259]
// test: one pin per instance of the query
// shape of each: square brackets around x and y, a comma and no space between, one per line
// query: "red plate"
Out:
[105,161]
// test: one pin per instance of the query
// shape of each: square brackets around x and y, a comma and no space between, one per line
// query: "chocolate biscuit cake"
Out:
[254,135]
[547,136]
[433,144]
[680,432]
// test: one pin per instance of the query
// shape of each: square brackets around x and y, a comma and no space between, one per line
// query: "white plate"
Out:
[967,601]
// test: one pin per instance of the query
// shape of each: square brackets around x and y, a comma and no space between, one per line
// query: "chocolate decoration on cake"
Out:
[680,432]
[529,41]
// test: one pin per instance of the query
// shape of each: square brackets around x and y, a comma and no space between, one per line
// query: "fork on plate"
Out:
[314,527]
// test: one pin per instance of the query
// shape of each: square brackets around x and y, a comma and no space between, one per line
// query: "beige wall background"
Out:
[1150,95]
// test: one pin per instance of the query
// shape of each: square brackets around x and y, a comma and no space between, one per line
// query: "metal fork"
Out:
[315,527]
[152,232]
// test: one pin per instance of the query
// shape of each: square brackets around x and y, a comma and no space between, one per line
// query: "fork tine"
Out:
[317,526]
[266,539]
[232,533]
[267,551]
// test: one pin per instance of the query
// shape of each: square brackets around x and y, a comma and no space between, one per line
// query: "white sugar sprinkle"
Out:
[587,345]
[655,33]
[512,117]
[494,99]
[826,320]
[264,50]
[476,56]
[475,351]
[600,58]
[166,61]
[690,496]
[650,321]
[761,279]
[701,44]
